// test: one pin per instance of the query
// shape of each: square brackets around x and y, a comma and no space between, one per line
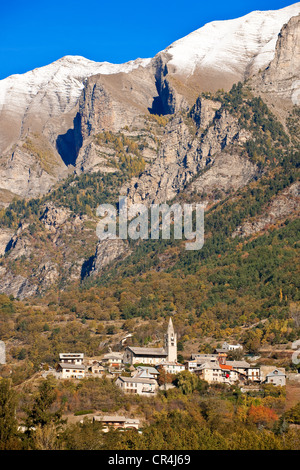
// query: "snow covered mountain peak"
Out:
[231,45]
[214,56]
[67,75]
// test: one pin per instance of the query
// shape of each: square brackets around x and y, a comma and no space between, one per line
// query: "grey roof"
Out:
[70,365]
[275,373]
[148,351]
[137,380]
[113,355]
[110,418]
[209,365]
[201,356]
[241,364]
[116,419]
[150,370]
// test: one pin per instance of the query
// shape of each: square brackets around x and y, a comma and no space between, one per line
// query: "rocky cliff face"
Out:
[186,148]
[36,257]
[283,206]
[64,103]
[42,106]
[107,251]
[282,76]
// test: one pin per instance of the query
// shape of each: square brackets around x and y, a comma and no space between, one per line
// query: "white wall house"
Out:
[74,358]
[113,360]
[199,360]
[96,369]
[117,422]
[217,373]
[172,367]
[276,377]
[70,371]
[138,385]
[268,375]
[231,347]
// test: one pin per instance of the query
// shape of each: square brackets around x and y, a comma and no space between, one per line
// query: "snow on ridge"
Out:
[232,45]
[66,75]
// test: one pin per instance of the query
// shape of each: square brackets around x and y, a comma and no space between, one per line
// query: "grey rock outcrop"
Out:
[184,151]
[107,251]
[287,203]
[228,172]
[282,77]
[54,217]
[5,237]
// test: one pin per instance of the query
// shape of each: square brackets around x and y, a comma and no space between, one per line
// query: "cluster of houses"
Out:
[146,364]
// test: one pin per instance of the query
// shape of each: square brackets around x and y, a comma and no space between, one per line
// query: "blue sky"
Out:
[35,33]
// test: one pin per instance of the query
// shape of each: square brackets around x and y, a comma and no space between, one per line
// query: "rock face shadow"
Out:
[157,106]
[87,267]
[69,144]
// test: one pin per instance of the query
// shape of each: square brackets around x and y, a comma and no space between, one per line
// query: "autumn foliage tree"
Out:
[262,416]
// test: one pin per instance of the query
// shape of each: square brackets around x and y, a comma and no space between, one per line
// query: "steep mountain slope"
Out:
[59,107]
[41,105]
[237,48]
[227,146]
[282,77]
[35,97]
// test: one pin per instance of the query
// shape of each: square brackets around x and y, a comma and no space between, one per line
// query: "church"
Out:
[154,356]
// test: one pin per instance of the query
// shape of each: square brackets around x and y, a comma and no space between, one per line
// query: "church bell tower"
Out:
[171,343]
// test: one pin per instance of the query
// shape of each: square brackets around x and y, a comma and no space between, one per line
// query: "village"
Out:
[154,371]
[137,369]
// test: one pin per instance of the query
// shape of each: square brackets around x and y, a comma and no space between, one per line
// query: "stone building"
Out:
[142,383]
[154,356]
[276,377]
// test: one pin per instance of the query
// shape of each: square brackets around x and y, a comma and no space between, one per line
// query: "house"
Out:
[200,359]
[213,372]
[193,365]
[253,374]
[172,367]
[231,347]
[73,358]
[113,360]
[246,371]
[70,371]
[137,385]
[147,371]
[154,356]
[96,369]
[269,375]
[117,422]
[141,383]
[276,377]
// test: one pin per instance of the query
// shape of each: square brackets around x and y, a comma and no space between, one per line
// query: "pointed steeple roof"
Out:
[170,326]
